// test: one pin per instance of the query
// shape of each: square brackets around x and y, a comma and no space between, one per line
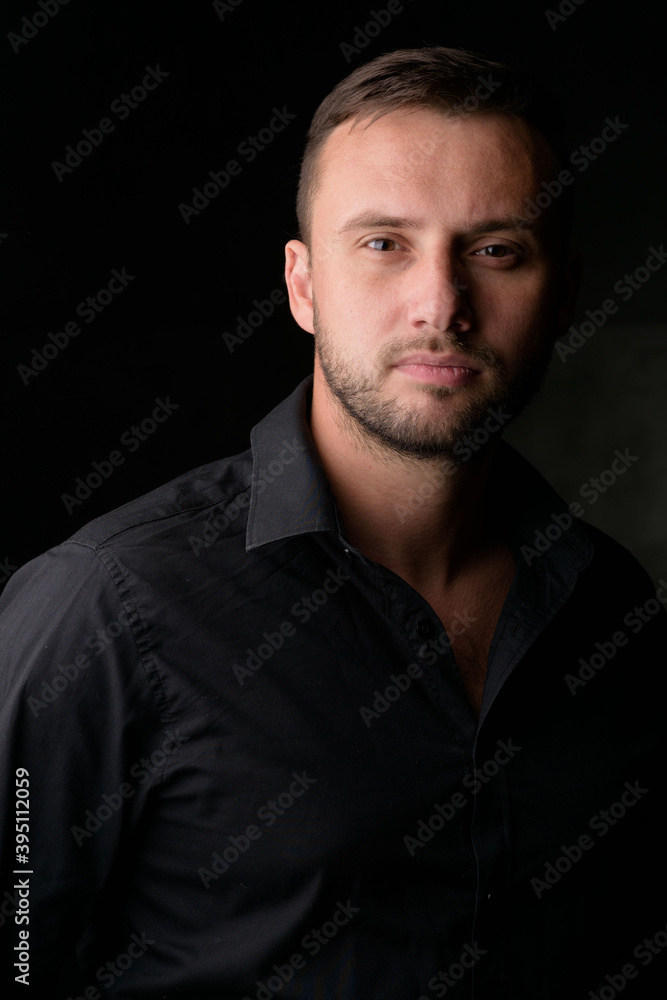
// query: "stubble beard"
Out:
[390,425]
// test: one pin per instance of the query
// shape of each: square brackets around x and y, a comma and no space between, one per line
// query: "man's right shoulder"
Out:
[191,494]
[184,513]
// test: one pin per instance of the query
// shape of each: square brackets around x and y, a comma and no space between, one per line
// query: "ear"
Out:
[299,284]
[573,269]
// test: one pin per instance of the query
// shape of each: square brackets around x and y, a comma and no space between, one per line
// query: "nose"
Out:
[438,297]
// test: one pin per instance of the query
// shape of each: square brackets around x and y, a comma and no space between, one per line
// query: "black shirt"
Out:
[253,769]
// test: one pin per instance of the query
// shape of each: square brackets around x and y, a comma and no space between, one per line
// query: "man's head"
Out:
[452,82]
[432,297]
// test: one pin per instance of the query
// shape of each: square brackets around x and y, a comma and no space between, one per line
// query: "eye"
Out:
[499,251]
[384,244]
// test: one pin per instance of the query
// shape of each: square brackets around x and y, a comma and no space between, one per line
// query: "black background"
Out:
[162,337]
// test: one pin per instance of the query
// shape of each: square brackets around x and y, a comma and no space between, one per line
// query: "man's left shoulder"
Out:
[614,569]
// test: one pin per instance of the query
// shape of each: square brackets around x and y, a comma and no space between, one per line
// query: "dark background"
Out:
[162,337]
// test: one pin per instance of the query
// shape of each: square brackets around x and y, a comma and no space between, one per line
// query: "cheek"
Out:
[355,306]
[520,323]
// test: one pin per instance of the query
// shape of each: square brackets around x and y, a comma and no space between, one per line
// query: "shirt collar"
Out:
[290,494]
[540,524]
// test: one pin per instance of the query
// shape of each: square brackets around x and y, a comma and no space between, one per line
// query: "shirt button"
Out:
[425,629]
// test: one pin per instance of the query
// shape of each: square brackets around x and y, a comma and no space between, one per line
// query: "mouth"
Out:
[438,369]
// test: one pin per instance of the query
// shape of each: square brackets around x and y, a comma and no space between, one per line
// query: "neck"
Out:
[425,519]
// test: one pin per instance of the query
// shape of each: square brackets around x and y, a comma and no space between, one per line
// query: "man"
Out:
[326,719]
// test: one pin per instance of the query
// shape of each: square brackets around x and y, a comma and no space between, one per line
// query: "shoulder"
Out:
[617,597]
[616,564]
[544,521]
[102,580]
[181,502]
[169,518]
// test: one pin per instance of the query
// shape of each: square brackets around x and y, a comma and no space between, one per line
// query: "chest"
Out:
[469,613]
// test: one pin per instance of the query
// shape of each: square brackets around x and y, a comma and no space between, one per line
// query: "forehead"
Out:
[424,163]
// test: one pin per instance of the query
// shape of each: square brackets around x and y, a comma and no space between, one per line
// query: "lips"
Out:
[437,361]
[450,370]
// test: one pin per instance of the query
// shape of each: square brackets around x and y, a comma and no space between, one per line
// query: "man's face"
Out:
[429,301]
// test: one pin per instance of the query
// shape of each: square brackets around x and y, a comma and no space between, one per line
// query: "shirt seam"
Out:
[95,545]
[164,711]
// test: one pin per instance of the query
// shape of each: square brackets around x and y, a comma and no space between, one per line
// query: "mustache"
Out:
[444,343]
[480,354]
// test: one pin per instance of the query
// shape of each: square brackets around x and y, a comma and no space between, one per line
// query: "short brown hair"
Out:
[432,77]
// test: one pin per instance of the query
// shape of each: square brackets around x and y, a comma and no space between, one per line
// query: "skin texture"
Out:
[416,249]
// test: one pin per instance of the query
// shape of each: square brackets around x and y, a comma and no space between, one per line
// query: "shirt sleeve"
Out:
[76,711]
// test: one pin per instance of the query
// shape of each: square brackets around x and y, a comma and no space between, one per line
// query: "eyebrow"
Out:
[370,220]
[512,222]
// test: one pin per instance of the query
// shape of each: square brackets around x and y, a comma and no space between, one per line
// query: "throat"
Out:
[469,609]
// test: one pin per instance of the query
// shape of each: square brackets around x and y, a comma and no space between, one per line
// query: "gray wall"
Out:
[609,395]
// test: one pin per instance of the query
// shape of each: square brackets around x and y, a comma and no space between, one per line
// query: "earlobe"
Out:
[299,284]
